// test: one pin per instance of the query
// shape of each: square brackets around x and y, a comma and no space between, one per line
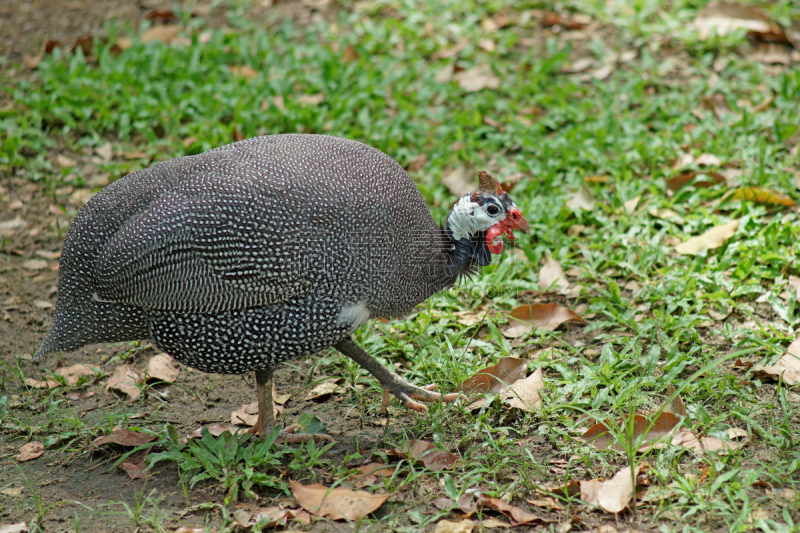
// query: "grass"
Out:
[164,101]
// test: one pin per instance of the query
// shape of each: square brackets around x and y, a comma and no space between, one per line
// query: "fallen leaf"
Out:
[547,503]
[164,34]
[543,316]
[679,180]
[676,406]
[496,378]
[630,206]
[9,227]
[20,527]
[616,493]
[126,380]
[552,275]
[270,517]
[454,50]
[667,214]
[722,18]
[161,16]
[446,526]
[105,151]
[215,430]
[45,384]
[762,196]
[477,78]
[30,451]
[246,416]
[600,435]
[515,515]
[78,395]
[73,373]
[551,19]
[244,71]
[524,394]
[583,199]
[459,181]
[336,504]
[787,368]
[323,390]
[711,239]
[700,445]
[426,453]
[35,264]
[162,367]
[124,437]
[310,99]
[11,491]
[134,465]
[589,489]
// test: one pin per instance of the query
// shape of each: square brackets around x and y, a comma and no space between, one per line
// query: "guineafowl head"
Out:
[479,220]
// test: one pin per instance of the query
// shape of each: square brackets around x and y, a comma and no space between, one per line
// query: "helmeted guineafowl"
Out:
[267,249]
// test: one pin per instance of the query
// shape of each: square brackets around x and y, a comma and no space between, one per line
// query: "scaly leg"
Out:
[266,413]
[391,382]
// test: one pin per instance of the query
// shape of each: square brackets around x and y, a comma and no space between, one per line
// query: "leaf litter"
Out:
[711,239]
[336,503]
[425,453]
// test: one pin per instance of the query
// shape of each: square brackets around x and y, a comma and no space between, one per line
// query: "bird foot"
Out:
[407,393]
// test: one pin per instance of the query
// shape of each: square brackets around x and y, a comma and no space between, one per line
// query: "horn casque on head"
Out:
[487,184]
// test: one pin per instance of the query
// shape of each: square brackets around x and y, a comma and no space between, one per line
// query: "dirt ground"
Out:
[27,295]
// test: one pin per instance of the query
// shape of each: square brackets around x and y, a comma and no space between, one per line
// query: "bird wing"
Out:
[213,251]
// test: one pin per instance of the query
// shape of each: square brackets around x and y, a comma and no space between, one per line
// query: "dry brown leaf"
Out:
[447,53]
[30,451]
[600,435]
[371,473]
[244,71]
[630,206]
[247,415]
[551,19]
[164,34]
[134,465]
[310,99]
[446,526]
[667,214]
[548,503]
[676,406]
[722,18]
[496,378]
[44,384]
[126,380]
[679,180]
[543,316]
[477,78]
[78,395]
[35,264]
[787,368]
[270,517]
[515,515]
[459,181]
[583,199]
[426,453]
[336,504]
[323,391]
[551,274]
[162,367]
[616,493]
[124,437]
[524,394]
[700,445]
[711,239]
[762,196]
[20,527]
[589,490]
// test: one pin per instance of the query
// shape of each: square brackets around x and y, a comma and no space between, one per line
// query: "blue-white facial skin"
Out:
[469,218]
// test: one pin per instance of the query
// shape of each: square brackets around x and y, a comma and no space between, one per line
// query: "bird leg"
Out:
[391,382]
[266,414]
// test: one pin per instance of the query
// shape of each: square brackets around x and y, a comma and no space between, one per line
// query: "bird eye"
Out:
[493,210]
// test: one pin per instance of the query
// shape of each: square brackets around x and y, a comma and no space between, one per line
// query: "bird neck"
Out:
[465,251]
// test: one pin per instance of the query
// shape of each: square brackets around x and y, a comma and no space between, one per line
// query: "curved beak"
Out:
[515,220]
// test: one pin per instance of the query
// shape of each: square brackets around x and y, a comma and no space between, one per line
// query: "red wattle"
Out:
[494,239]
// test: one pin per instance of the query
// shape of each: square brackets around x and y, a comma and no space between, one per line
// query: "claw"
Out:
[407,393]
